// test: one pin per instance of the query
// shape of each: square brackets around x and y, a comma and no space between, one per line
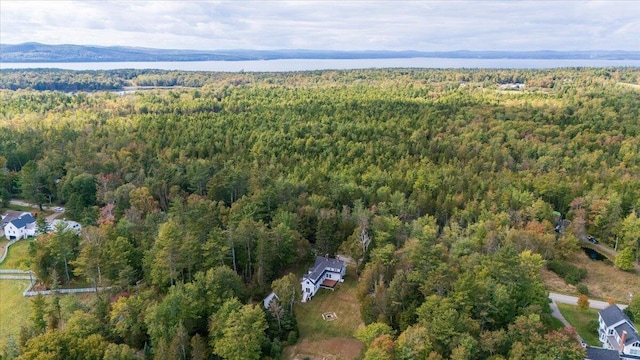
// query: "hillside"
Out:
[36,52]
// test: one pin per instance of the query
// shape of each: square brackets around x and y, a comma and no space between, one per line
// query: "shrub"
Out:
[582,289]
[569,272]
[292,338]
[276,348]
[583,302]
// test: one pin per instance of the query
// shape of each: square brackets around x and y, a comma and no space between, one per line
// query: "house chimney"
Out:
[623,338]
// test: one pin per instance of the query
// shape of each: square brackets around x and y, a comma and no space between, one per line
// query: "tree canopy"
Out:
[196,201]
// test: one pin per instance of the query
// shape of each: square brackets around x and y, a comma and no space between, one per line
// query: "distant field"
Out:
[14,308]
[584,321]
[320,339]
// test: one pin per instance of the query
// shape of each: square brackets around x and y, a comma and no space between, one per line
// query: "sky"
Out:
[327,25]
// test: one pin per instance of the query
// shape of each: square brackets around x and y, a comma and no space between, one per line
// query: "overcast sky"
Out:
[337,25]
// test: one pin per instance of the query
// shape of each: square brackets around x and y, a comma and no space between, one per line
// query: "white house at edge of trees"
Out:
[20,228]
[325,273]
[617,332]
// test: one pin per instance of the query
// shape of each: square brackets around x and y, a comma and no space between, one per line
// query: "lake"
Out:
[330,64]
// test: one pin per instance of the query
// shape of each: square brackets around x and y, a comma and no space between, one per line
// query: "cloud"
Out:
[340,25]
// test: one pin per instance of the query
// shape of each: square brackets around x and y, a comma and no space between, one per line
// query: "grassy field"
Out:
[14,308]
[584,321]
[3,243]
[321,339]
[598,280]
[18,256]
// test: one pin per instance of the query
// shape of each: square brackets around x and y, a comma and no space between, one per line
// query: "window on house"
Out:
[308,290]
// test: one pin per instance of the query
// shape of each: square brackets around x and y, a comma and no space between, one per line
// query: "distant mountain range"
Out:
[36,52]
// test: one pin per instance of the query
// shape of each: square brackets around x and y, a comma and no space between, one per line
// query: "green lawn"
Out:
[556,324]
[584,321]
[18,256]
[14,308]
[342,301]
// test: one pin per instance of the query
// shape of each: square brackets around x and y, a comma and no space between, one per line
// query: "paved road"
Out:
[605,250]
[555,312]
[572,300]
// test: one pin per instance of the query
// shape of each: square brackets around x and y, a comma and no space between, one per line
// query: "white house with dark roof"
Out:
[617,332]
[325,273]
[21,228]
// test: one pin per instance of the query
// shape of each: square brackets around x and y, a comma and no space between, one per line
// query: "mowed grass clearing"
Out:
[18,256]
[584,321]
[15,309]
[329,339]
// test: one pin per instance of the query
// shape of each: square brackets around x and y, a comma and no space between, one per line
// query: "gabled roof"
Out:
[632,336]
[321,264]
[594,353]
[11,215]
[613,315]
[267,301]
[23,221]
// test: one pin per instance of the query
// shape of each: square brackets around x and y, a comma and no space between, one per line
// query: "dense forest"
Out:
[198,201]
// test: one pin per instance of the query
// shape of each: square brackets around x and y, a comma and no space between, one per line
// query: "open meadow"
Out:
[603,280]
[14,308]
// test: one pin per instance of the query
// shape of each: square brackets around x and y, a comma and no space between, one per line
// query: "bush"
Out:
[583,302]
[276,348]
[582,289]
[569,272]
[292,338]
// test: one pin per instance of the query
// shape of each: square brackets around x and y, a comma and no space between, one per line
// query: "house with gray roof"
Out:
[596,353]
[325,273]
[617,332]
[20,228]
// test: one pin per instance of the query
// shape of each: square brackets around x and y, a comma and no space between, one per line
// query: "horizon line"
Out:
[306,49]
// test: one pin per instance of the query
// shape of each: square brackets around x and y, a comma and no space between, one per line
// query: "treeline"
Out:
[96,80]
[196,200]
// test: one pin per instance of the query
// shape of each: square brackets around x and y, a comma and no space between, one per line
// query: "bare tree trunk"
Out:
[66,268]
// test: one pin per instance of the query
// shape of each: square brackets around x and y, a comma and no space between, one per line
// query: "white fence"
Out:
[61,291]
[12,271]
[15,277]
